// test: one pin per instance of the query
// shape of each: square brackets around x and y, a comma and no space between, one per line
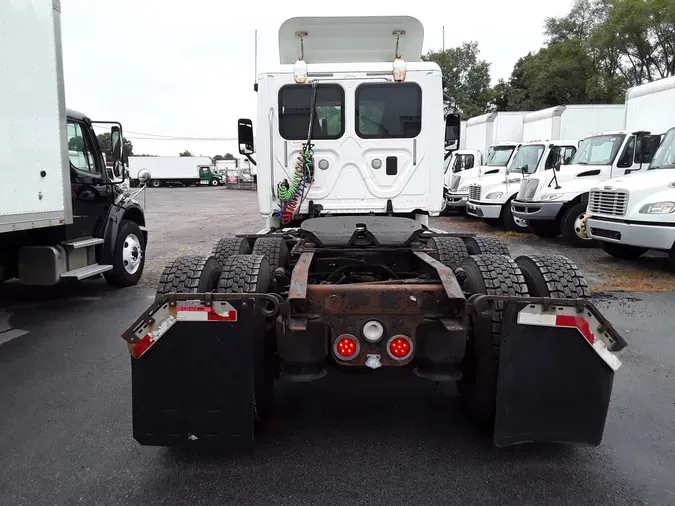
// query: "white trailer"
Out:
[62,213]
[172,170]
[549,136]
[462,135]
[555,206]
[573,121]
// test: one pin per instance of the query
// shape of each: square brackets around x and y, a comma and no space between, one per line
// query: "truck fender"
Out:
[126,209]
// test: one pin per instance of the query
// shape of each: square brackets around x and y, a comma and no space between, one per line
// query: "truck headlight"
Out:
[514,180]
[494,195]
[463,189]
[658,208]
[551,196]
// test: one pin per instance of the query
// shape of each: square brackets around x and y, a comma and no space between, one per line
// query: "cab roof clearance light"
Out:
[399,69]
[300,66]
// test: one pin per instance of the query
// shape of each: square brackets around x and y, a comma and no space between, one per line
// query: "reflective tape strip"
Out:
[567,317]
[204,314]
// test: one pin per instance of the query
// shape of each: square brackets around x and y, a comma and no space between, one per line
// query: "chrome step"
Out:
[87,272]
[83,242]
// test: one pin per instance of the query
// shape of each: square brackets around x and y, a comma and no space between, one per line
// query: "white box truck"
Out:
[174,170]
[557,205]
[63,216]
[631,215]
[549,136]
[493,138]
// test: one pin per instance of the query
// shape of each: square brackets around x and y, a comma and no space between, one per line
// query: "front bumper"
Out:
[536,210]
[456,200]
[487,211]
[632,233]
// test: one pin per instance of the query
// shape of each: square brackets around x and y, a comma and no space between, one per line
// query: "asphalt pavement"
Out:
[65,399]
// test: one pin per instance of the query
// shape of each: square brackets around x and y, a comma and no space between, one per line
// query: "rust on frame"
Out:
[445,273]
[300,276]
[363,298]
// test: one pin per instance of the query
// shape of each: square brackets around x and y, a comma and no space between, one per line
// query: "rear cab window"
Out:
[294,111]
[388,111]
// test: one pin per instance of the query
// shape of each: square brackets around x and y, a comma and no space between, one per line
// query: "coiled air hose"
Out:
[293,194]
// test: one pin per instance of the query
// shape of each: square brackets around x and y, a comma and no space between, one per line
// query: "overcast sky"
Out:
[186,68]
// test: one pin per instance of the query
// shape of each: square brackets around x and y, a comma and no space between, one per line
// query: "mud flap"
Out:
[552,385]
[194,386]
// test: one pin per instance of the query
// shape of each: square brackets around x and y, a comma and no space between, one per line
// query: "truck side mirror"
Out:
[557,165]
[116,143]
[452,129]
[245,133]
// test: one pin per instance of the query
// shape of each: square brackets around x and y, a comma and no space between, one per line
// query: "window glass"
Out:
[389,110]
[499,156]
[294,111]
[79,151]
[665,155]
[527,158]
[598,150]
[628,154]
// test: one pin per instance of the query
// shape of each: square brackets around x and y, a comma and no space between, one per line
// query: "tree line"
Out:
[591,55]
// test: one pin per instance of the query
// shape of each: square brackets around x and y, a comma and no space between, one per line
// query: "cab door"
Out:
[91,197]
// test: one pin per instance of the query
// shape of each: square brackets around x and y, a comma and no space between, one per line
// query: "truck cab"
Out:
[630,215]
[554,203]
[209,176]
[498,157]
[490,199]
[349,131]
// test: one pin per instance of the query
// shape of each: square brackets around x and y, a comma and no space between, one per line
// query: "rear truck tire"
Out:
[228,246]
[450,251]
[156,183]
[492,275]
[190,274]
[214,182]
[553,276]
[623,250]
[568,227]
[275,249]
[546,229]
[485,246]
[251,274]
[128,256]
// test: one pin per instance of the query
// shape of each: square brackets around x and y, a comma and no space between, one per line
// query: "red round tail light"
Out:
[346,347]
[399,347]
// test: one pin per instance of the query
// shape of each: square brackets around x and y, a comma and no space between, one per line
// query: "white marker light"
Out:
[376,163]
[373,331]
[324,164]
[300,71]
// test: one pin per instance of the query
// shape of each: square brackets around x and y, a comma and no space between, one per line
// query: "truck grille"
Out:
[454,183]
[474,192]
[528,187]
[606,202]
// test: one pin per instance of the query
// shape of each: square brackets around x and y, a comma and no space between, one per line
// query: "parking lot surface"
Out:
[65,399]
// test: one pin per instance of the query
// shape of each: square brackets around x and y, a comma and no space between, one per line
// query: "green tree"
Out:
[105,142]
[185,153]
[466,79]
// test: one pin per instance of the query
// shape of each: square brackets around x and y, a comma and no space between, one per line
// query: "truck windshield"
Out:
[388,111]
[598,150]
[527,159]
[294,111]
[499,156]
[664,158]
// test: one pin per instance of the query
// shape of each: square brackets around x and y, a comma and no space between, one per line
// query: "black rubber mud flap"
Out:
[552,386]
[194,387]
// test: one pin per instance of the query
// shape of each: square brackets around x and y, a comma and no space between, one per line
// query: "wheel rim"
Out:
[155,184]
[444,205]
[132,254]
[580,227]
[214,182]
[520,222]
